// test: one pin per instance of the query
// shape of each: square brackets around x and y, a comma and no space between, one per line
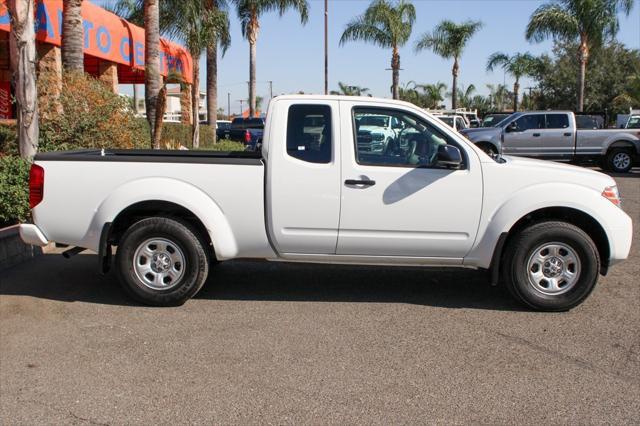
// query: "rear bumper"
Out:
[31,234]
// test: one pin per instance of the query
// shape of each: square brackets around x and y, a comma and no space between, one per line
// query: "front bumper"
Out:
[31,234]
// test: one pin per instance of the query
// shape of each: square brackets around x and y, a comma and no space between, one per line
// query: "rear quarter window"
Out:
[309,133]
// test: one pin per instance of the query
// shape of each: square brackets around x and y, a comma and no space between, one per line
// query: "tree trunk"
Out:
[135,99]
[252,35]
[516,90]
[454,88]
[72,36]
[195,102]
[161,107]
[395,73]
[212,87]
[152,76]
[583,58]
[23,51]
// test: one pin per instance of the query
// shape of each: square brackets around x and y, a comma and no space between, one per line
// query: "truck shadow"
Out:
[54,278]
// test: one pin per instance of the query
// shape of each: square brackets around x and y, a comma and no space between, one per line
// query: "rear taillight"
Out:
[247,136]
[36,185]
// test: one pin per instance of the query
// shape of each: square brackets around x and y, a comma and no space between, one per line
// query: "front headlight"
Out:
[611,193]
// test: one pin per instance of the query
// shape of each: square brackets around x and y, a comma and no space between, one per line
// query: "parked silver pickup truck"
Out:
[553,135]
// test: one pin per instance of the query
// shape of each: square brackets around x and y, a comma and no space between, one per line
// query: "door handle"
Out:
[567,134]
[535,135]
[363,182]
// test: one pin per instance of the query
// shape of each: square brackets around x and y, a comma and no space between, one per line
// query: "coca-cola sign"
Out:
[5,100]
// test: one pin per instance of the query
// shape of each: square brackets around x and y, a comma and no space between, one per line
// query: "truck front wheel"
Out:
[619,160]
[551,266]
[161,262]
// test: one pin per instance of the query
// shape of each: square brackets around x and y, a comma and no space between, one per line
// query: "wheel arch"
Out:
[169,198]
[576,217]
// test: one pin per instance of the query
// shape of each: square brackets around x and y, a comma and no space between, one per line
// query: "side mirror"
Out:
[512,127]
[449,156]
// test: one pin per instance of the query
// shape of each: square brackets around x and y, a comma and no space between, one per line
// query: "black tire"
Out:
[520,252]
[181,239]
[619,160]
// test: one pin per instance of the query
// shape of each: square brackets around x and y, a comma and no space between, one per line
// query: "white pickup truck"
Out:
[432,198]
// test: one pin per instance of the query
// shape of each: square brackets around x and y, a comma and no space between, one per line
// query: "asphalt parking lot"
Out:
[272,343]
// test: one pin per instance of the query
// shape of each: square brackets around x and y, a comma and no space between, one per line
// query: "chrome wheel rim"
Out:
[159,263]
[621,160]
[553,268]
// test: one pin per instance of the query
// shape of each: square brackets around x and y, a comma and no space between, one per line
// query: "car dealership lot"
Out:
[279,343]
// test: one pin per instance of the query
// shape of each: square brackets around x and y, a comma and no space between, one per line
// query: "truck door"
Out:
[303,177]
[558,136]
[400,202]
[524,136]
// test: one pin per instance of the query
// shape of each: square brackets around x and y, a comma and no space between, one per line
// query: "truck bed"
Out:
[155,156]
[89,187]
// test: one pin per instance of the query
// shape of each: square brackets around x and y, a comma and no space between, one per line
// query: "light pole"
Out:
[326,47]
[229,105]
[241,110]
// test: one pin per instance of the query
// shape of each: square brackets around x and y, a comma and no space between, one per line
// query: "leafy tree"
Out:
[448,40]
[347,90]
[606,83]
[464,95]
[199,26]
[518,65]
[388,25]
[591,22]
[249,12]
[424,95]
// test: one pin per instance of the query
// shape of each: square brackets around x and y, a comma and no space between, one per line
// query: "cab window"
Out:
[309,133]
[530,122]
[410,142]
[557,121]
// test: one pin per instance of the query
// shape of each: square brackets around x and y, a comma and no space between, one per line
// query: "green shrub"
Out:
[224,145]
[176,134]
[87,114]
[8,138]
[14,190]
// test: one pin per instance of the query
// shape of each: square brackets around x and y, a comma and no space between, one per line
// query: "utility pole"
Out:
[270,89]
[241,110]
[229,105]
[326,47]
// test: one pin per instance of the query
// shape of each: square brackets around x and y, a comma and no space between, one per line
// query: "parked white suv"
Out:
[313,194]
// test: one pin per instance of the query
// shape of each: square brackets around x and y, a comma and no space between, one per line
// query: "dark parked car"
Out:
[248,131]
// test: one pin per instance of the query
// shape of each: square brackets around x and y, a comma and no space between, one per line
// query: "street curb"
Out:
[13,250]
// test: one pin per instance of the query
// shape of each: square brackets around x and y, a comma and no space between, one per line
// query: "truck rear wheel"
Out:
[551,266]
[161,262]
[619,160]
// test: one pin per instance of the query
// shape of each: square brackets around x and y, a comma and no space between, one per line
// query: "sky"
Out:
[291,55]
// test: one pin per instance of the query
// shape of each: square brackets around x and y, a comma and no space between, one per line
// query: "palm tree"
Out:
[498,94]
[23,65]
[518,65]
[198,26]
[434,94]
[249,12]
[448,40]
[72,36]
[387,25]
[348,90]
[224,39]
[464,95]
[153,79]
[589,21]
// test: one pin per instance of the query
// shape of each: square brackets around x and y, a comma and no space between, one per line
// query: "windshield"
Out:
[634,122]
[374,120]
[493,120]
[448,120]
